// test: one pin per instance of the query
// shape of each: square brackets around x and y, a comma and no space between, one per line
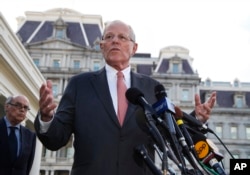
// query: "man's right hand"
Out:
[46,101]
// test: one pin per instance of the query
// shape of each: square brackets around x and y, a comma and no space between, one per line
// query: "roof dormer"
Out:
[59,29]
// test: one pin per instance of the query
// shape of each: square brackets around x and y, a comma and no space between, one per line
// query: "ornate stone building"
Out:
[63,42]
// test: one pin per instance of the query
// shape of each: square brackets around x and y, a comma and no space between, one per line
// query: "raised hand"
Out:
[46,101]
[203,111]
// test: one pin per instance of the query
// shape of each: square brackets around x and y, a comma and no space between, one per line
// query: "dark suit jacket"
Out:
[25,159]
[102,147]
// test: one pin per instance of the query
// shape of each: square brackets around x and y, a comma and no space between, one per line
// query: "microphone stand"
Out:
[144,154]
[159,138]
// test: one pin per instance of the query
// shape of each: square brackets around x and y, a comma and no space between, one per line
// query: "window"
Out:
[236,83]
[239,101]
[185,95]
[56,63]
[175,68]
[248,132]
[36,62]
[76,64]
[233,131]
[218,130]
[59,34]
[96,65]
[208,82]
[55,89]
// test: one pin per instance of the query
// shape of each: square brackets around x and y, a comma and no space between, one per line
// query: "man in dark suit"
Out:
[18,161]
[89,110]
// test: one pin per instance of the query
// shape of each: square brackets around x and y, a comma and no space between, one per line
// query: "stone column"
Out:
[35,170]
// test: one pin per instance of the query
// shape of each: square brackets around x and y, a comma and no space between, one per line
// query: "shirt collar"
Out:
[111,72]
[8,123]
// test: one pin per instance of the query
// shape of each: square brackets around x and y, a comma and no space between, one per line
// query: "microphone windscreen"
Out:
[160,91]
[133,94]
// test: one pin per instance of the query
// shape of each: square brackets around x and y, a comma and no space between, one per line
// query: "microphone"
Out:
[135,96]
[164,106]
[148,129]
[142,151]
[189,141]
[178,117]
[194,122]
[140,120]
[165,109]
[207,152]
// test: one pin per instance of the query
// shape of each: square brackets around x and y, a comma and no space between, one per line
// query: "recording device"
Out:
[142,151]
[135,96]
[189,150]
[141,122]
[207,152]
[194,122]
[165,109]
[178,117]
[145,127]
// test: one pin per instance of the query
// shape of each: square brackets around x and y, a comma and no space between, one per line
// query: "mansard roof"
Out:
[164,65]
[225,98]
[81,29]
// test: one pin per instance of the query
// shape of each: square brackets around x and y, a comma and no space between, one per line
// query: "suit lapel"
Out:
[100,84]
[136,81]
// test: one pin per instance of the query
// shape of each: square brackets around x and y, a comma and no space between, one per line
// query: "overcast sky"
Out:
[216,32]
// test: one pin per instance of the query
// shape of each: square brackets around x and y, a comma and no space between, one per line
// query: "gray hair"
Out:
[9,99]
[131,31]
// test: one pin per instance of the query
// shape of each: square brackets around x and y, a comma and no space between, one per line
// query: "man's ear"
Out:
[134,49]
[101,44]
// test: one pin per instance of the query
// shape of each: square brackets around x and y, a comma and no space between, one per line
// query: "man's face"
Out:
[117,46]
[17,109]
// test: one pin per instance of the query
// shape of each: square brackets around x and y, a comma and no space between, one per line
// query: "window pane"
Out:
[55,89]
[96,65]
[248,133]
[76,64]
[185,95]
[37,62]
[218,131]
[233,132]
[239,102]
[59,34]
[56,63]
[175,68]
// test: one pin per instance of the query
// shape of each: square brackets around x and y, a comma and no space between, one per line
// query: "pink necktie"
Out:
[122,101]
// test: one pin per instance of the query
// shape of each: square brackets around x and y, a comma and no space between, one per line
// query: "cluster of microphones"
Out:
[176,135]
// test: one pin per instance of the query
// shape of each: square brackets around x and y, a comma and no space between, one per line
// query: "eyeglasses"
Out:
[121,37]
[19,106]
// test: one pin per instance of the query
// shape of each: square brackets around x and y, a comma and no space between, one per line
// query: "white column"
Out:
[35,170]
[52,172]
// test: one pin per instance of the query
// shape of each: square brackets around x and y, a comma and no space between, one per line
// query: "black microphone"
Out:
[178,117]
[207,152]
[141,122]
[135,96]
[194,122]
[147,128]
[190,149]
[165,109]
[142,151]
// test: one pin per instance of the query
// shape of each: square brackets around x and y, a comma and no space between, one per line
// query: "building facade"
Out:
[63,42]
